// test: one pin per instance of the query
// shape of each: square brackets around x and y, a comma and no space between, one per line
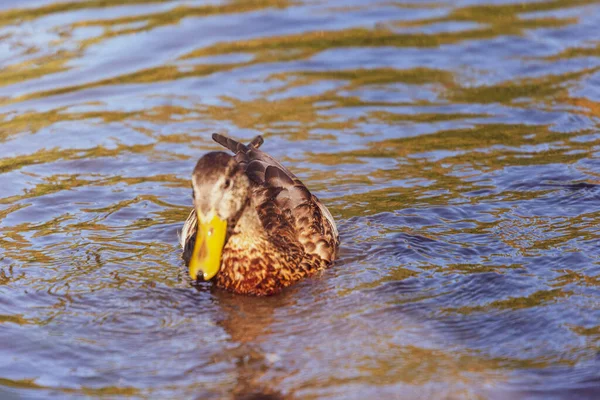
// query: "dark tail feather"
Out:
[236,146]
[231,144]
[257,142]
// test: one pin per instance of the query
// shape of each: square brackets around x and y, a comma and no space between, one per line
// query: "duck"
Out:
[255,228]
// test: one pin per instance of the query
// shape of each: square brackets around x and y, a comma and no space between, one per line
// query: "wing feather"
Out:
[283,202]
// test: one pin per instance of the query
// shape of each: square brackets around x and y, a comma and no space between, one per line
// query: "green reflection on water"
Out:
[541,297]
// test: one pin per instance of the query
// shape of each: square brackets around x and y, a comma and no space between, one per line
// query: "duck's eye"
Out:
[227,183]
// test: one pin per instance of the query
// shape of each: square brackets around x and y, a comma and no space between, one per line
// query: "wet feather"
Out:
[283,235]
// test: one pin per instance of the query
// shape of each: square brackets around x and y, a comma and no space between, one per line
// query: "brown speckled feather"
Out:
[280,195]
[287,233]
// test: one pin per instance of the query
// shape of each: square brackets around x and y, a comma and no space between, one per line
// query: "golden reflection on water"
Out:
[456,146]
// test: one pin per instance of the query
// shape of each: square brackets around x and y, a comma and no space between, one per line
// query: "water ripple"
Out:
[456,145]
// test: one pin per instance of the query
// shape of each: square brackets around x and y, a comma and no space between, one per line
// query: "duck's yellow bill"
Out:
[210,240]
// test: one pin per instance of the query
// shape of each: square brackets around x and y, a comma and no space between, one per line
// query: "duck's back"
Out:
[283,203]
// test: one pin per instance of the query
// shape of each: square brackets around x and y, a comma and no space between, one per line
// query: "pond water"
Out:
[457,144]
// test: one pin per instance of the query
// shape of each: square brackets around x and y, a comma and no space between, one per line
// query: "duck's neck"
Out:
[248,222]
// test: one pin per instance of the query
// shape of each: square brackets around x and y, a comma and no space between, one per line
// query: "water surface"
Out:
[457,144]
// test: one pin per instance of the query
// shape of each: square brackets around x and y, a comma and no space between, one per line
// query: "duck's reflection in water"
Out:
[247,320]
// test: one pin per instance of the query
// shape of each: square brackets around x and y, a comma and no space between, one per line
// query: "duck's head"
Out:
[220,189]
